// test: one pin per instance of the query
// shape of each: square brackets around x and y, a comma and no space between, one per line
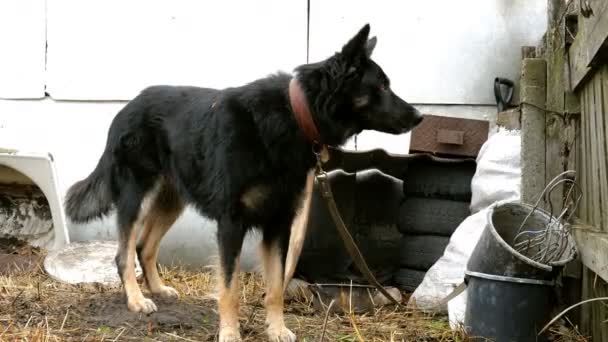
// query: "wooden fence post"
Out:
[533,94]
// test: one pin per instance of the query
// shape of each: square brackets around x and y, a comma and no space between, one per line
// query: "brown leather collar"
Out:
[303,116]
[299,105]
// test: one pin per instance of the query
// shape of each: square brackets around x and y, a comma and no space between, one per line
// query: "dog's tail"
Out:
[90,198]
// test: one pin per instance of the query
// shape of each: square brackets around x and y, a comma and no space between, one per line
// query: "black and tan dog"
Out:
[240,156]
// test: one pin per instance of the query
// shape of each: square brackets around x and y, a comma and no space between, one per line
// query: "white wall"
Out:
[111,49]
[436,51]
[102,51]
[22,42]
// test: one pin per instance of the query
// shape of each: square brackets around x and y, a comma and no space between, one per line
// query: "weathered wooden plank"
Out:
[593,248]
[597,33]
[604,159]
[598,155]
[554,165]
[583,210]
[585,311]
[557,130]
[594,156]
[593,315]
[590,44]
[577,59]
[585,155]
[589,165]
[533,91]
[600,94]
[590,149]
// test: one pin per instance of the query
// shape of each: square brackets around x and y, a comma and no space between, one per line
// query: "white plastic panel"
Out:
[22,42]
[111,49]
[435,51]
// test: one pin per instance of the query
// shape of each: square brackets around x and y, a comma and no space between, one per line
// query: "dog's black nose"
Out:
[418,120]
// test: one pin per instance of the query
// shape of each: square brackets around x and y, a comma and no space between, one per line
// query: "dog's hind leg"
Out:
[274,253]
[128,208]
[166,207]
[231,233]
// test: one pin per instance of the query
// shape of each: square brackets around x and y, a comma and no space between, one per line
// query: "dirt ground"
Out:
[34,307]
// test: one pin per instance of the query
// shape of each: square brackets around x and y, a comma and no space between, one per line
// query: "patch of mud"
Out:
[110,310]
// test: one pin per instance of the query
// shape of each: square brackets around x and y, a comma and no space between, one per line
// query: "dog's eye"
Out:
[382,87]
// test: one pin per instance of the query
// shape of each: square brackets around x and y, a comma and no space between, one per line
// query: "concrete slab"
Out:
[85,262]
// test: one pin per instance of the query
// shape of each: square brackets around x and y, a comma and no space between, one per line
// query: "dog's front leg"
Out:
[274,262]
[230,240]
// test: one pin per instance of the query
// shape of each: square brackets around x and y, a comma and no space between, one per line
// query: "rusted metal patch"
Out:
[449,136]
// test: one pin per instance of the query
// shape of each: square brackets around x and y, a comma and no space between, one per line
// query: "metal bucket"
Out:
[506,308]
[496,255]
[509,292]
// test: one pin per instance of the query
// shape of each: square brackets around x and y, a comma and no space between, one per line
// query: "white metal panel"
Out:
[111,49]
[435,51]
[75,133]
[22,42]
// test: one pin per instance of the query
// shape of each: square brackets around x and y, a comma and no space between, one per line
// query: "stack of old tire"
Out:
[368,202]
[437,195]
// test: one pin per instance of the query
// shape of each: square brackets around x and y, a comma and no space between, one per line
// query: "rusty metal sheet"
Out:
[449,136]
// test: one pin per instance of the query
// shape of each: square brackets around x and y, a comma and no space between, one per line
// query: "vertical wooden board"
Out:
[584,155]
[554,158]
[594,315]
[601,155]
[604,159]
[585,310]
[593,174]
[589,166]
[582,178]
[597,156]
[600,313]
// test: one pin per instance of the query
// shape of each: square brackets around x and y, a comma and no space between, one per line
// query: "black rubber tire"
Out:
[418,215]
[428,178]
[408,279]
[378,197]
[420,252]
[369,205]
[377,200]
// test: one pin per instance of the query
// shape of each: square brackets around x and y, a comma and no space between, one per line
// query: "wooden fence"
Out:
[576,137]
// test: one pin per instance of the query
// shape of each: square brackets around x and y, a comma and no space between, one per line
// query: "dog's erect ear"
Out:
[370,46]
[357,46]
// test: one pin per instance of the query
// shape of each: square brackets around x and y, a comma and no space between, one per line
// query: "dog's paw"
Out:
[229,334]
[141,304]
[280,334]
[168,292]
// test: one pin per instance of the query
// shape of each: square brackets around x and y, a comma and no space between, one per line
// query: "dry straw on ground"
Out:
[34,307]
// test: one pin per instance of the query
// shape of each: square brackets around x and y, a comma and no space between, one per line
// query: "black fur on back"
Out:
[216,145]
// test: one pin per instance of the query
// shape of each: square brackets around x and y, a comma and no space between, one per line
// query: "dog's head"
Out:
[349,93]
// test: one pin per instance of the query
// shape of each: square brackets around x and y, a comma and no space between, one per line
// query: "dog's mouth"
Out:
[402,129]
[398,130]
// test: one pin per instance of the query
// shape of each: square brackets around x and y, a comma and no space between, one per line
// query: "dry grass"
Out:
[33,307]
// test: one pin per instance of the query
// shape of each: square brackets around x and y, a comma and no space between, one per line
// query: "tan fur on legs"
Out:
[273,277]
[298,229]
[228,305]
[161,213]
[157,223]
[135,298]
